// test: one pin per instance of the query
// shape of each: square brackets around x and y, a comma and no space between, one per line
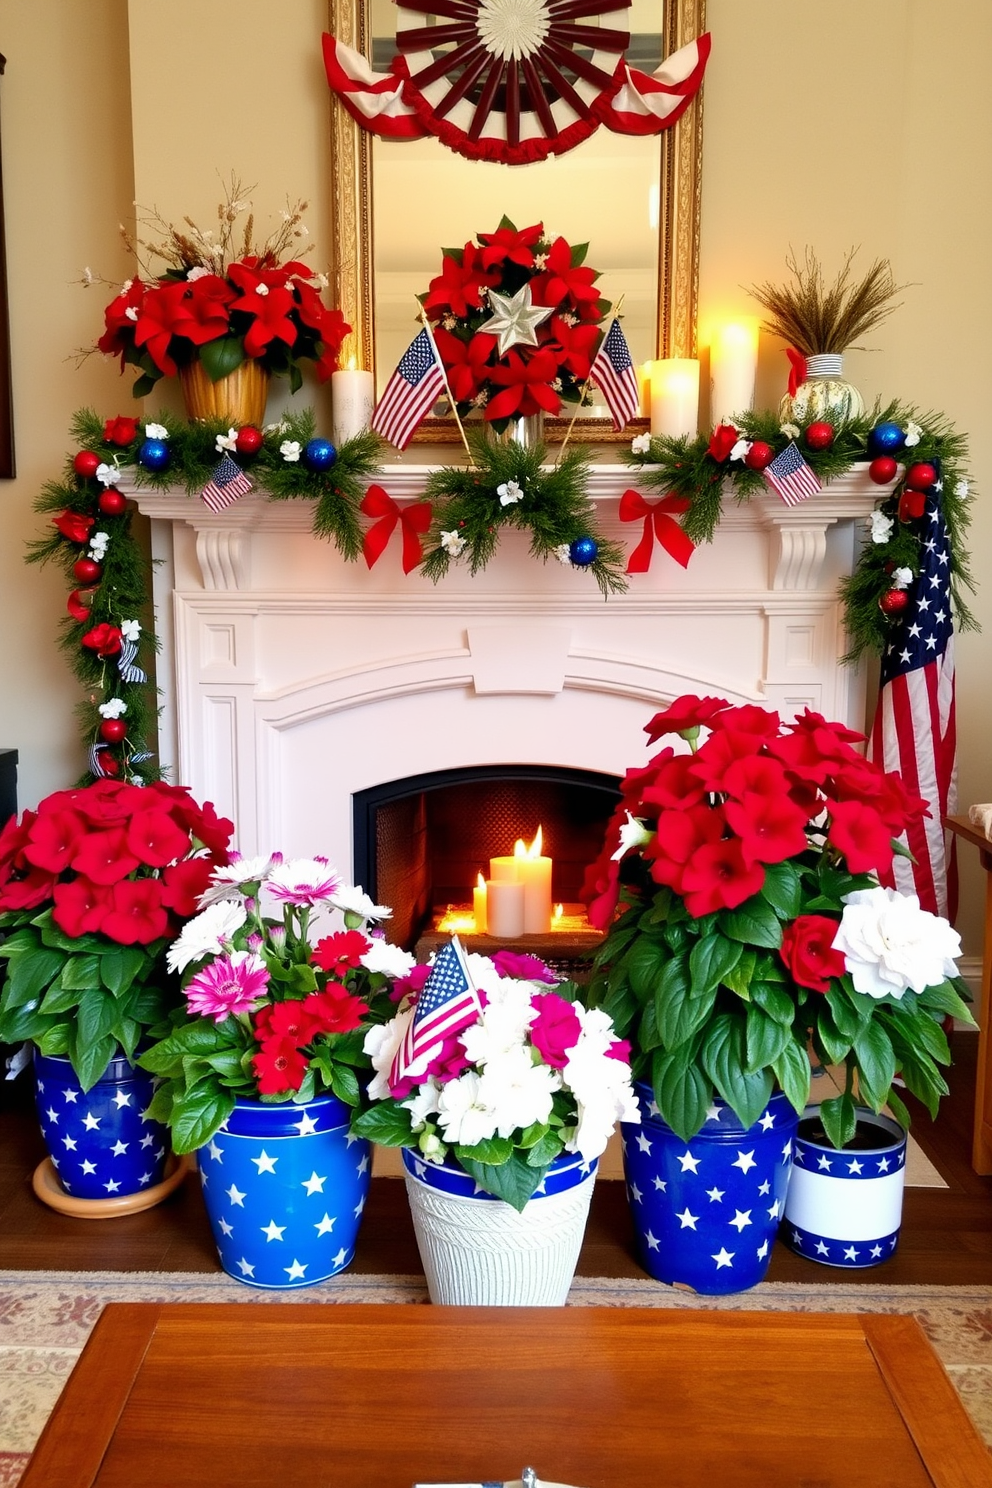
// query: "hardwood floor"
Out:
[946,1235]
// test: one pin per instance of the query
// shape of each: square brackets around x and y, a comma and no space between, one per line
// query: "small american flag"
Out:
[227,483]
[914,729]
[447,1004]
[414,386]
[613,373]
[791,477]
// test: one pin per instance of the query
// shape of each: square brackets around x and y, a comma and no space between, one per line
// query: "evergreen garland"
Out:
[689,468]
[470,508]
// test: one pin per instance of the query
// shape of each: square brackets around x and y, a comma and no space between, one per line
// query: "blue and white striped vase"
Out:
[101,1142]
[706,1212]
[844,1207]
[285,1187]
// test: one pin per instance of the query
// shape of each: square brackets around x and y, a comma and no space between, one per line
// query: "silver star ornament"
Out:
[515,319]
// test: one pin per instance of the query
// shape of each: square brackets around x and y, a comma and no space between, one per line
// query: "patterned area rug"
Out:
[46,1317]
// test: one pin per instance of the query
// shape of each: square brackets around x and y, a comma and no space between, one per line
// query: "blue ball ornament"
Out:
[583,551]
[319,454]
[885,439]
[154,454]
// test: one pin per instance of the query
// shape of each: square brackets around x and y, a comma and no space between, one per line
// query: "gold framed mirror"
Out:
[679,192]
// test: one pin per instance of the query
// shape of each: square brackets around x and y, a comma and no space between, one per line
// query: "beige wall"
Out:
[834,125]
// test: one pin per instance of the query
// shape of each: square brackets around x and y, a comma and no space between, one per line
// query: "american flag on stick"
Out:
[914,728]
[791,477]
[416,384]
[447,1004]
[613,373]
[227,483]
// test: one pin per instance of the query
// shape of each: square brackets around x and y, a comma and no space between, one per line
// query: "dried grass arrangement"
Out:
[815,318]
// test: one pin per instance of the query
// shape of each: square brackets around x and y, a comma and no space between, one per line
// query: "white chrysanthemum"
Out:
[517,1090]
[352,900]
[890,944]
[463,1116]
[390,960]
[640,444]
[235,873]
[382,1044]
[113,708]
[902,578]
[503,1023]
[290,451]
[205,934]
[881,527]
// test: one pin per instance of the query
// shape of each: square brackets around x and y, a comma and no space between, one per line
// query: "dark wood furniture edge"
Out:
[94,1397]
[981,1142]
[943,1433]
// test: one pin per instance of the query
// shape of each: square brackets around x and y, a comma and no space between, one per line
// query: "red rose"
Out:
[74,526]
[120,430]
[722,441]
[341,952]
[807,950]
[684,714]
[136,914]
[104,639]
[600,891]
[555,1030]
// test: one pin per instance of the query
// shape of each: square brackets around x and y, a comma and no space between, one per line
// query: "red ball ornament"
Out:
[893,601]
[921,477]
[912,505]
[249,440]
[882,470]
[820,436]
[108,764]
[111,502]
[112,731]
[86,570]
[86,464]
[759,455]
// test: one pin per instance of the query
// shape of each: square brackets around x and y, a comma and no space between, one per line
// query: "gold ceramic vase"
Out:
[824,395]
[237,399]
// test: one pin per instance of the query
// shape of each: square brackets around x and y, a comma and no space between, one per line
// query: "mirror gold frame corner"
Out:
[353,232]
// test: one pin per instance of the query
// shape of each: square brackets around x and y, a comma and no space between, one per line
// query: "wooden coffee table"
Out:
[365,1396]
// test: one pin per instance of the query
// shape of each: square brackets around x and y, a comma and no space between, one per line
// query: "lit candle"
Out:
[504,909]
[504,870]
[644,389]
[534,872]
[675,397]
[479,906]
[733,363]
[352,402]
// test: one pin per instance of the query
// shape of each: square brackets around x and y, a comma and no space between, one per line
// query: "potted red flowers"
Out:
[93,886]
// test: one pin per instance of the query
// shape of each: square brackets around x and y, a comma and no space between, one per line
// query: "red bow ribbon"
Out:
[657,524]
[414,521]
[77,606]
[797,369]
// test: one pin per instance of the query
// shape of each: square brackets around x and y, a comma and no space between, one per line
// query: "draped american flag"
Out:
[447,1004]
[417,383]
[914,728]
[791,477]
[613,373]
[227,483]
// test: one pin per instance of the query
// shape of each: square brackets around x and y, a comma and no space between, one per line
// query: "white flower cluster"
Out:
[98,546]
[890,945]
[509,1087]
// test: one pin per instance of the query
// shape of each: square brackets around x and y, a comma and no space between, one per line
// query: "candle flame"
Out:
[559,912]
[352,364]
[480,881]
[521,850]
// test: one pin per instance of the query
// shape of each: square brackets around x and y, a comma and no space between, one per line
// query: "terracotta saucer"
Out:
[50,1191]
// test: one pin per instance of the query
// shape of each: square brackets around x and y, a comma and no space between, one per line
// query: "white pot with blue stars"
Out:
[101,1141]
[844,1207]
[706,1212]
[285,1186]
[478,1251]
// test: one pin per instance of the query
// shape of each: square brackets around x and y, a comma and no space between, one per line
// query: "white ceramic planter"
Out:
[478,1251]
[844,1208]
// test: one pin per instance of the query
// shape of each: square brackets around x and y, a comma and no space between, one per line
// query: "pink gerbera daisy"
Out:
[304,882]
[231,984]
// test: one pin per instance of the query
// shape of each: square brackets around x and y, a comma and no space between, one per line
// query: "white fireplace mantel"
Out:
[291,679]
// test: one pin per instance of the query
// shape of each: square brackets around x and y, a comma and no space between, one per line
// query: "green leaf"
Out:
[755,923]
[709,960]
[533,1134]
[775,1000]
[899,1111]
[834,1044]
[876,1063]
[848,1018]
[58,1000]
[29,972]
[681,1090]
[302,980]
[782,889]
[545,1151]
[387,1122]
[222,356]
[765,1039]
[344,1083]
[119,967]
[739,977]
[723,1059]
[81,972]
[196,1115]
[916,1026]
[649,1034]
[678,1013]
[839,1120]
[143,385]
[946,1000]
[91,1057]
[127,1032]
[513,1180]
[644,964]
[579,252]
[493,1151]
[792,1071]
[96,1015]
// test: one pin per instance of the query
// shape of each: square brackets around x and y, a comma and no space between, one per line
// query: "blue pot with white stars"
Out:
[844,1207]
[285,1186]
[706,1212]
[478,1251]
[101,1142]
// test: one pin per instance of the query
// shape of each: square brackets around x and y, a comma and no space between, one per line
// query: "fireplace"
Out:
[300,692]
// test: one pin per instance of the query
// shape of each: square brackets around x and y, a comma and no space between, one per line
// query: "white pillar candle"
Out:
[675,397]
[503,870]
[504,909]
[535,875]
[733,363]
[479,906]
[644,389]
[352,402]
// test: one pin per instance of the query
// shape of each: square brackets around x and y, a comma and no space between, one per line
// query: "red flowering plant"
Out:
[222,298]
[755,927]
[516,322]
[93,887]
[275,1008]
